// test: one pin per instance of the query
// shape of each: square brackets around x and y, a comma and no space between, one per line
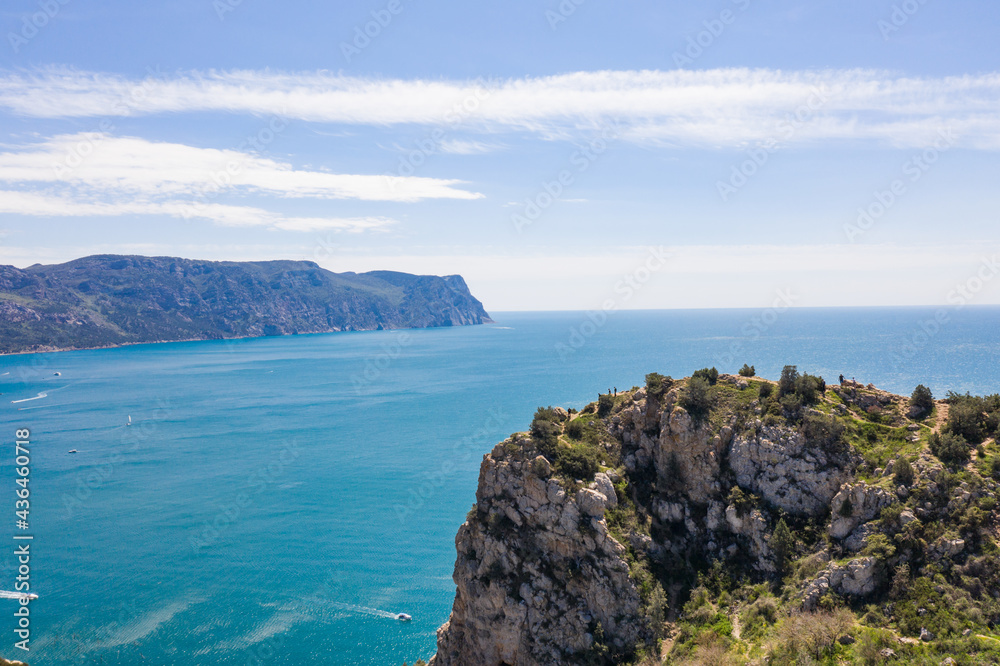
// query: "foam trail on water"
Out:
[4,594]
[352,608]
[37,397]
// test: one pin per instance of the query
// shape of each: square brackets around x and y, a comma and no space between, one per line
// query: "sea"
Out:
[280,500]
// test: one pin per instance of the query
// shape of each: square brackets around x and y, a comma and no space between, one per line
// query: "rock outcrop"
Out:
[857,578]
[537,573]
[782,466]
[855,504]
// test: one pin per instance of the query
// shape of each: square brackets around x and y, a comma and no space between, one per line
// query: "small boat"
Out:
[129,420]
[72,450]
[31,595]
[403,617]
[58,374]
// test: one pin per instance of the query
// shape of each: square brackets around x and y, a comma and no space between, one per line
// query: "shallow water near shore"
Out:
[280,500]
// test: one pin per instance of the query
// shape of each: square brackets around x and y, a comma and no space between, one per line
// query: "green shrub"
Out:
[922,400]
[657,384]
[879,547]
[748,371]
[574,430]
[902,472]
[697,398]
[711,375]
[578,462]
[782,545]
[605,404]
[740,501]
[950,448]
[766,389]
[789,376]
[810,388]
[964,420]
[758,616]
[545,431]
[824,432]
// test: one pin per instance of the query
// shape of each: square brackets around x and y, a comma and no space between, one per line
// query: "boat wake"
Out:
[41,395]
[364,610]
[4,594]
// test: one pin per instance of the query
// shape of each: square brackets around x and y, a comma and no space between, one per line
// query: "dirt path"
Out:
[942,416]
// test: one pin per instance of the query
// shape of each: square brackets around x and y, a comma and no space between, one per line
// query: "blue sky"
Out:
[255,129]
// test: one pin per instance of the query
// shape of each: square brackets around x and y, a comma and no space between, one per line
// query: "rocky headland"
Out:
[728,519]
[111,300]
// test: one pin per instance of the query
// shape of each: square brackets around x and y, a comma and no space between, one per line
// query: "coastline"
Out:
[57,350]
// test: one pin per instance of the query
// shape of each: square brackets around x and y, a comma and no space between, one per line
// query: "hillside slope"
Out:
[732,520]
[109,300]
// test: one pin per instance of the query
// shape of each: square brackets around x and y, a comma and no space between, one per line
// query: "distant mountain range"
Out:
[110,300]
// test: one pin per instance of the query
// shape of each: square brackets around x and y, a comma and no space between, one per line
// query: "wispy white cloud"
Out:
[138,166]
[463,147]
[55,205]
[724,107]
[95,175]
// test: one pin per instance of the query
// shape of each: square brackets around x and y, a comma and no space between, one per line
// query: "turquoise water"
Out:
[275,503]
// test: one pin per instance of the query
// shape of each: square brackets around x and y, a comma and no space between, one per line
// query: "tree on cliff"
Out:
[922,401]
[782,544]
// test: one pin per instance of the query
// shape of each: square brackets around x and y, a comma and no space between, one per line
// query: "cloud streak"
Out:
[704,108]
[95,175]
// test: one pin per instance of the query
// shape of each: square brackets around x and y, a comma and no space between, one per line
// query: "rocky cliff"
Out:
[650,526]
[109,300]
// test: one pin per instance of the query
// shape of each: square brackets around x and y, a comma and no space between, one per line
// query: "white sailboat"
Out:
[129,420]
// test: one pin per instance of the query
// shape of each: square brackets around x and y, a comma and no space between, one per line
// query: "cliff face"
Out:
[537,571]
[591,531]
[111,300]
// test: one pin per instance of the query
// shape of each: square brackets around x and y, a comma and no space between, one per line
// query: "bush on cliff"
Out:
[824,432]
[922,401]
[973,417]
[605,403]
[578,462]
[697,398]
[657,385]
[711,375]
[786,385]
[782,544]
[903,473]
[748,371]
[950,448]
[545,432]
